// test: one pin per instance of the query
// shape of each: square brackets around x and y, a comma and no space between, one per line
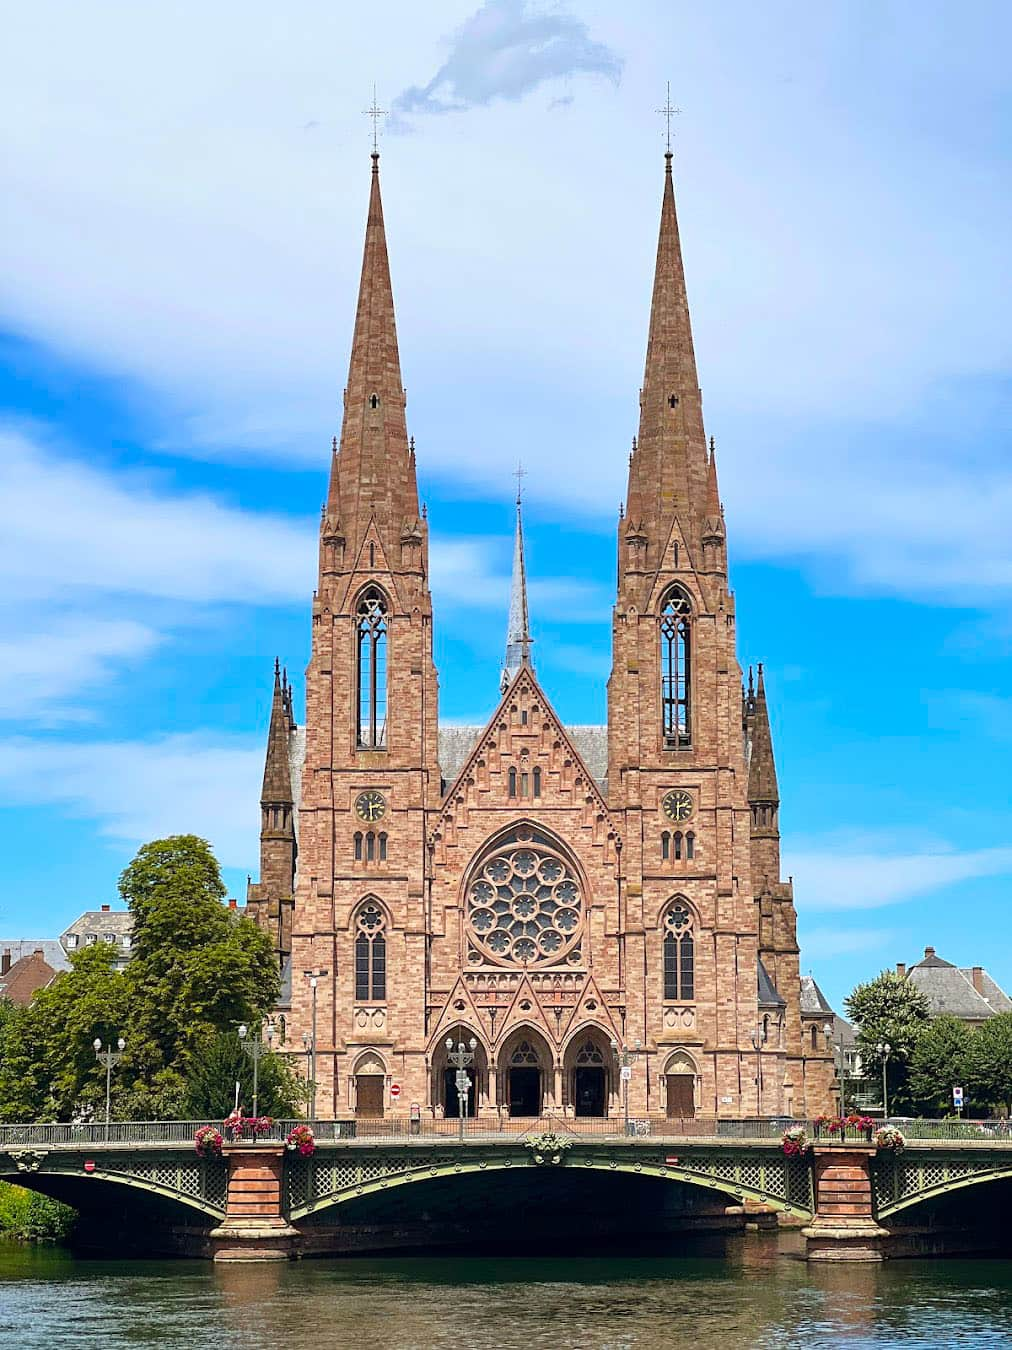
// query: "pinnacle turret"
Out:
[762,770]
[277,787]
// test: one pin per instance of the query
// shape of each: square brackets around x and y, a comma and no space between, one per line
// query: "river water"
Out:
[748,1294]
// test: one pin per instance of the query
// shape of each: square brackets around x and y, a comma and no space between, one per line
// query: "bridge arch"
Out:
[319,1184]
[915,1178]
[192,1183]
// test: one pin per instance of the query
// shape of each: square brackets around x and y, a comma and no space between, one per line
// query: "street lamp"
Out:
[461,1057]
[256,1050]
[313,976]
[110,1058]
[758,1038]
[626,1058]
[884,1050]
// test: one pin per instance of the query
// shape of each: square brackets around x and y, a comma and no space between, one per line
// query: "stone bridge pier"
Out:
[843,1227]
[254,1227]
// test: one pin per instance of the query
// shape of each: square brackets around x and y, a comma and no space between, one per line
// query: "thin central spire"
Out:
[518,632]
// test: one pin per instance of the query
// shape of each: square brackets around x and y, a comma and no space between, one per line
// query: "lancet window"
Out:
[676,669]
[372,670]
[679,951]
[370,954]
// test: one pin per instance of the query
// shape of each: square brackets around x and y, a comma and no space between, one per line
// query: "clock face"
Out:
[677,805]
[370,806]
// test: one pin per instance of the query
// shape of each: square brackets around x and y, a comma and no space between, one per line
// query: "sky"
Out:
[180,243]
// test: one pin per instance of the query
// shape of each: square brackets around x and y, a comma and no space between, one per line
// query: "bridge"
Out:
[393,1183]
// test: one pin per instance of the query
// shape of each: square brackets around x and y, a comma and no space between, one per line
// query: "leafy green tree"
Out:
[48,1069]
[197,968]
[892,1010]
[221,1062]
[939,1063]
[990,1063]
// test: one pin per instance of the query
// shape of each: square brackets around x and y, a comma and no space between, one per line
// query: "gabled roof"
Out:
[31,973]
[51,949]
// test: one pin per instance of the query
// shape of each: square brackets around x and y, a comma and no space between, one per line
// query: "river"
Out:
[747,1294]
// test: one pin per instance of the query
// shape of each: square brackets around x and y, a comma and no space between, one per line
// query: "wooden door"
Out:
[369,1095]
[681,1096]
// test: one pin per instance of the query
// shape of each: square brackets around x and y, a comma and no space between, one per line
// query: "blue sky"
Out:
[181,239]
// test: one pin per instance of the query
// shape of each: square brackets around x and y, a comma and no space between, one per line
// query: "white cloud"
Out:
[200,783]
[826,879]
[505,50]
[66,526]
[823,943]
[44,672]
[846,258]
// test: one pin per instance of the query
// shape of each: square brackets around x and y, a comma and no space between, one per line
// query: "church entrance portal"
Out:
[681,1098]
[369,1096]
[525,1091]
[588,1096]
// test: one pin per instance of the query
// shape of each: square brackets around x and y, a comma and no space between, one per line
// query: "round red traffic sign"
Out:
[395,1090]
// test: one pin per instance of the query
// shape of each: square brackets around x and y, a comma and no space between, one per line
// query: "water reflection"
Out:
[754,1293]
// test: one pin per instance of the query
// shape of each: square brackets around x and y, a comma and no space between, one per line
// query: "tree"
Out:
[221,1063]
[990,1063]
[197,968]
[939,1063]
[891,1010]
[48,1069]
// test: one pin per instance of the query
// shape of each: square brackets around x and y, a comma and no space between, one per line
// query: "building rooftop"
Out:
[20,980]
[51,949]
[970,994]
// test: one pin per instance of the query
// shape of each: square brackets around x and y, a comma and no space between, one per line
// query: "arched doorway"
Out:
[680,1086]
[370,1086]
[587,1074]
[525,1066]
[444,1075]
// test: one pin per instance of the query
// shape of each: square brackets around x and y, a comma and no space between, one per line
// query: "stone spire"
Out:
[373,474]
[669,468]
[762,771]
[518,633]
[277,788]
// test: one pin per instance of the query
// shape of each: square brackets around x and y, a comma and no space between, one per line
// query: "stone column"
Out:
[844,1227]
[254,1227]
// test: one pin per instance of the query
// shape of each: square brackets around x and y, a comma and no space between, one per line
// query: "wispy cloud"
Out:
[828,879]
[504,51]
[200,783]
[44,673]
[819,944]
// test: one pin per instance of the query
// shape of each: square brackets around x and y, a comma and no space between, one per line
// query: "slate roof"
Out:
[949,990]
[456,744]
[813,1000]
[53,952]
[768,996]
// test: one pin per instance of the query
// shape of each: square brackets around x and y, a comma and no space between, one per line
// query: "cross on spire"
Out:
[375,112]
[667,112]
[520,473]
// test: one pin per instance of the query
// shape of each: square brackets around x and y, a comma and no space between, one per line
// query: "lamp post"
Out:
[313,976]
[758,1039]
[626,1058]
[840,1062]
[884,1050]
[256,1050]
[110,1058]
[461,1057]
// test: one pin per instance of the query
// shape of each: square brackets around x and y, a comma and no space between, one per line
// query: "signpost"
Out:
[395,1090]
[957,1100]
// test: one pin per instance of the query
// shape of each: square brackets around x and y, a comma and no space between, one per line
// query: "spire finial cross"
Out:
[520,473]
[667,112]
[375,112]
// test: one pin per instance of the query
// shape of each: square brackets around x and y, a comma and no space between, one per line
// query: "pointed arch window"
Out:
[676,669]
[372,670]
[679,953]
[370,954]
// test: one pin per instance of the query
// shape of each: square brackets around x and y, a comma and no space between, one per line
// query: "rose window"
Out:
[525,904]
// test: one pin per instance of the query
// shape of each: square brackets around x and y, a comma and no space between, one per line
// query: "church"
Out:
[596,912]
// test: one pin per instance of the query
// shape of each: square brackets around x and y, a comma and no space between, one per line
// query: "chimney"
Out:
[5,962]
[105,909]
[901,968]
[977,979]
[232,904]
[929,951]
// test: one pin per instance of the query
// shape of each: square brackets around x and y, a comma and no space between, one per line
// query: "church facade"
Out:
[599,909]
